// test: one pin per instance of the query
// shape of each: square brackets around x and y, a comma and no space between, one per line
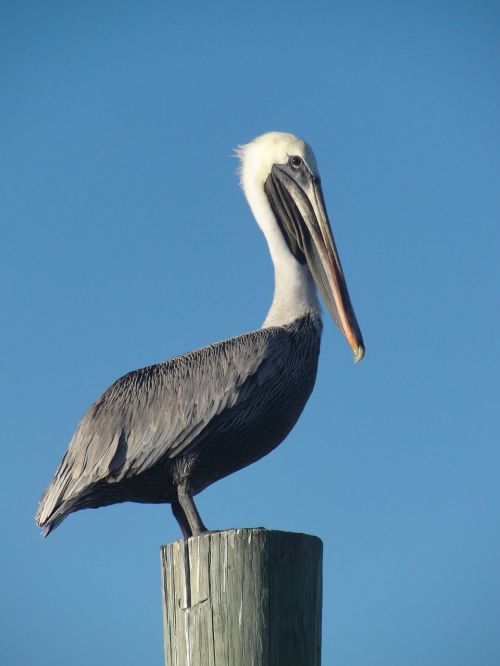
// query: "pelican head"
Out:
[280,178]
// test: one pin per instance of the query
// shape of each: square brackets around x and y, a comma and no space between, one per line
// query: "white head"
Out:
[280,178]
[259,156]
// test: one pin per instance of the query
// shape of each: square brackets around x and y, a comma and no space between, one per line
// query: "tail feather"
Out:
[64,495]
[50,524]
[53,509]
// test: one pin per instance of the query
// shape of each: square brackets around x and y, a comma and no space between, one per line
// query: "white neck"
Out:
[294,294]
[294,290]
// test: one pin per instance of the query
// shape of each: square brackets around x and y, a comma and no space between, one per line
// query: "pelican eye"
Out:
[296,161]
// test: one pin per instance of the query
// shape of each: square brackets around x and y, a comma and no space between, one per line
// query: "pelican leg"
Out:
[189,509]
[180,517]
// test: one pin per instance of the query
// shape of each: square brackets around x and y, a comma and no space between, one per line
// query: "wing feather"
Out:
[161,410]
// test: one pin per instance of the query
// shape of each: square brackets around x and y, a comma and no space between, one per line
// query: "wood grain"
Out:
[243,597]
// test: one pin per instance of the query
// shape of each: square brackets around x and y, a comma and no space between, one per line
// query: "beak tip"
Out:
[359,352]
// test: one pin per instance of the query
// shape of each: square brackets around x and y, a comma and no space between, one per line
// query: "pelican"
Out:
[164,433]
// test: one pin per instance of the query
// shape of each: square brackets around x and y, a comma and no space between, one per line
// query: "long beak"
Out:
[298,204]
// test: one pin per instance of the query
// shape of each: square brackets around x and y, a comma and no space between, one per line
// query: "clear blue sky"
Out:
[125,240]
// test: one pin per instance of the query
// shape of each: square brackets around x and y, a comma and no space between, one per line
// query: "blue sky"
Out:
[126,240]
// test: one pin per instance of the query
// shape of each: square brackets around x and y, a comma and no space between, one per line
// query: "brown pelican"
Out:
[166,432]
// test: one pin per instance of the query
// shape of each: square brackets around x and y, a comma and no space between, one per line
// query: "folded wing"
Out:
[161,411]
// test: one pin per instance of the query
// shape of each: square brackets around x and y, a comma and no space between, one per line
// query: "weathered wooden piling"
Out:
[243,597]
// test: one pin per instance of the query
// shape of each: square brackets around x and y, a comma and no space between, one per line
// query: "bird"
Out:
[163,433]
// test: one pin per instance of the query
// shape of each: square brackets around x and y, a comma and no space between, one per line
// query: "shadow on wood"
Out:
[243,597]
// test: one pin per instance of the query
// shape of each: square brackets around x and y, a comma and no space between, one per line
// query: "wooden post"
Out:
[243,597]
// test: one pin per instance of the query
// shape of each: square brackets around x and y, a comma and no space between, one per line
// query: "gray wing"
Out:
[159,411]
